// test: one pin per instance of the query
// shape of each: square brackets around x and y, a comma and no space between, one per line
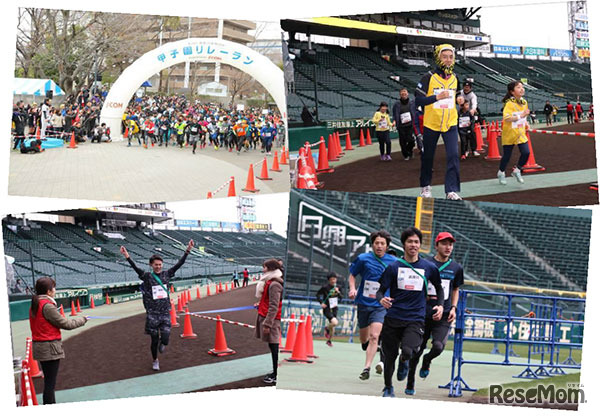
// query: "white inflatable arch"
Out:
[211,50]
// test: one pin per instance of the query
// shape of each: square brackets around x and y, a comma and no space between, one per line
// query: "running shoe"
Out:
[161,347]
[502,177]
[389,392]
[270,379]
[409,391]
[155,366]
[517,174]
[382,157]
[327,333]
[452,196]
[426,191]
[475,153]
[328,343]
[407,158]
[388,157]
[402,370]
[424,371]
[365,374]
[379,368]
[364,345]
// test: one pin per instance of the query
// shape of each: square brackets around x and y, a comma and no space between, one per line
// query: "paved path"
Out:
[115,172]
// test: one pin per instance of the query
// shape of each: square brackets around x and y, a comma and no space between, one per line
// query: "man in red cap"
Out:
[451,274]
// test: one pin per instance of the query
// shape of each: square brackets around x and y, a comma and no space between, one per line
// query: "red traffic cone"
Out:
[107,302]
[323,165]
[531,165]
[209,195]
[290,337]
[226,287]
[172,289]
[338,144]
[361,140]
[275,166]
[92,304]
[78,306]
[207,290]
[369,137]
[264,173]
[309,158]
[493,153]
[306,179]
[189,295]
[73,310]
[34,369]
[331,150]
[220,348]
[478,138]
[188,332]
[231,191]
[309,338]
[72,143]
[198,293]
[299,351]
[348,142]
[62,310]
[179,305]
[250,187]
[28,396]
[173,315]
[220,287]
[126,132]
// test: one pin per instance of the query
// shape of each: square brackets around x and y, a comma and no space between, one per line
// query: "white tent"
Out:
[35,87]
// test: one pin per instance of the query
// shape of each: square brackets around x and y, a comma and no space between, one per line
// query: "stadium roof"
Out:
[134,214]
[355,29]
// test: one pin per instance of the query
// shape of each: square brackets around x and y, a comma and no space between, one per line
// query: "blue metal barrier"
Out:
[542,338]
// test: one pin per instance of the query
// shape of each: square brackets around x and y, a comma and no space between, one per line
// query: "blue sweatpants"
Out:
[507,152]
[430,139]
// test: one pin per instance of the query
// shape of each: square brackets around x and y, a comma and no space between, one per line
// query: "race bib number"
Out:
[370,289]
[333,302]
[382,123]
[445,103]
[445,286]
[158,292]
[464,121]
[405,117]
[519,123]
[409,280]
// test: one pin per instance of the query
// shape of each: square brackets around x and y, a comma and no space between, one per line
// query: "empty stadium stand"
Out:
[75,257]
[351,82]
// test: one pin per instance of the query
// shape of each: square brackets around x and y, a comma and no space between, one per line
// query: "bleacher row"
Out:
[75,257]
[351,82]
[559,239]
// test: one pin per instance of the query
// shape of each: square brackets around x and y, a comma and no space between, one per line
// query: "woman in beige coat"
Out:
[45,322]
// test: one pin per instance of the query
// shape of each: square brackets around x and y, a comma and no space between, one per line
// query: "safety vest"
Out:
[437,116]
[41,329]
[263,305]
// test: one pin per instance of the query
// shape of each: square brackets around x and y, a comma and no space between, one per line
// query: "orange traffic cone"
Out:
[220,348]
[309,338]
[27,386]
[361,140]
[369,137]
[226,288]
[188,332]
[62,310]
[299,351]
[189,295]
[264,173]
[72,144]
[531,165]
[331,150]
[179,305]
[307,180]
[73,310]
[209,195]
[207,290]
[493,153]
[38,133]
[78,306]
[338,144]
[323,162]
[309,158]
[250,187]
[198,293]
[126,133]
[275,166]
[172,289]
[283,157]
[107,302]
[290,337]
[231,191]
[348,142]
[92,304]
[221,287]
[34,369]
[478,138]
[173,315]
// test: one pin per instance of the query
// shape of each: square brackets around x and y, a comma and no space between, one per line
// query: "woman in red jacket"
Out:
[45,322]
[268,321]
